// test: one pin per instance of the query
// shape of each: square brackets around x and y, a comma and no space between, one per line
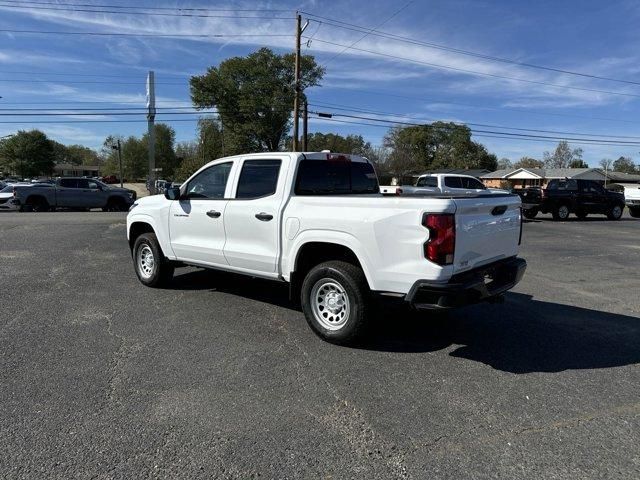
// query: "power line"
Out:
[93,5]
[537,130]
[369,32]
[475,72]
[154,14]
[63,82]
[505,134]
[483,107]
[145,35]
[400,38]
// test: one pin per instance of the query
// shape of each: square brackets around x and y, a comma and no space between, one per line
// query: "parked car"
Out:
[440,183]
[319,222]
[564,197]
[632,199]
[8,201]
[72,192]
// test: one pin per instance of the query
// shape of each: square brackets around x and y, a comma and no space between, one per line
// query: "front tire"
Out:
[634,212]
[615,213]
[530,213]
[561,212]
[150,264]
[335,301]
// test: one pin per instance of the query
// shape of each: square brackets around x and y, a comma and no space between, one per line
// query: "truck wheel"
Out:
[615,213]
[634,212]
[151,266]
[334,299]
[561,212]
[37,204]
[530,213]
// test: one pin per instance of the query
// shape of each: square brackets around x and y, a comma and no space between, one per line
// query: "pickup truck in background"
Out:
[632,199]
[318,222]
[564,197]
[70,192]
[442,183]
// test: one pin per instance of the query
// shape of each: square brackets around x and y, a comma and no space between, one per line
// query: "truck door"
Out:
[252,217]
[66,192]
[196,221]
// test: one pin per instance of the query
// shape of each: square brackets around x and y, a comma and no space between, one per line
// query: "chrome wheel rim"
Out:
[330,304]
[617,212]
[146,261]
[563,212]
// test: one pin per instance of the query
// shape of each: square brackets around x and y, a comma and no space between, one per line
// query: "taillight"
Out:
[442,237]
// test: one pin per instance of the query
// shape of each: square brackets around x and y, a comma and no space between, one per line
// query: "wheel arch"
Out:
[312,252]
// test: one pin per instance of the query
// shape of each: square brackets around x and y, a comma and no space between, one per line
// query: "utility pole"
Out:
[118,147]
[305,125]
[151,115]
[296,98]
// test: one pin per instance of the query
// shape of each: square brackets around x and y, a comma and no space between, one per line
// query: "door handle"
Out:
[264,217]
[213,214]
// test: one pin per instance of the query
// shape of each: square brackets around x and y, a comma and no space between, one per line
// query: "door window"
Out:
[68,183]
[93,185]
[452,182]
[427,182]
[471,183]
[258,178]
[83,183]
[210,183]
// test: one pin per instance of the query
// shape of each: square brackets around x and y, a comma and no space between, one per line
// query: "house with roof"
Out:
[538,177]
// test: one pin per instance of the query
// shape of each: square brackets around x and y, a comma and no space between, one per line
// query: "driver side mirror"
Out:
[172,193]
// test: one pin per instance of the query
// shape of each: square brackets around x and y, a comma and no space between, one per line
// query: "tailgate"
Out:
[487,229]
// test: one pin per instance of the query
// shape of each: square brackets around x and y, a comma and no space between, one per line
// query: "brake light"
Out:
[332,157]
[442,237]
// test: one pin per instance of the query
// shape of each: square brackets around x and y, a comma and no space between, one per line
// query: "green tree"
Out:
[504,164]
[212,142]
[134,157]
[254,97]
[625,165]
[354,144]
[165,155]
[528,162]
[27,153]
[578,163]
[562,156]
[438,145]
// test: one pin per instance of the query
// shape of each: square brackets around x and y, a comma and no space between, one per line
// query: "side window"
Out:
[83,183]
[427,182]
[210,183]
[258,178]
[452,182]
[93,185]
[472,183]
[68,183]
[572,185]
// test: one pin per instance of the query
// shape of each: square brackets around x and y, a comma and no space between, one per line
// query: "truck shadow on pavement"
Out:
[523,335]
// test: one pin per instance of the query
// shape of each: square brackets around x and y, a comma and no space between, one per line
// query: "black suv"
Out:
[563,197]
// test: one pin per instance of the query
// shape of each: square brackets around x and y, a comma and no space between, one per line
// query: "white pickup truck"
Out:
[632,199]
[439,183]
[319,222]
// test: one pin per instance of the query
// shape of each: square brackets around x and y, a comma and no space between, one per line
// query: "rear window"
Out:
[427,182]
[563,185]
[335,177]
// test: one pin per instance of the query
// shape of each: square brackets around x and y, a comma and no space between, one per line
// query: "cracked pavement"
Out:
[218,376]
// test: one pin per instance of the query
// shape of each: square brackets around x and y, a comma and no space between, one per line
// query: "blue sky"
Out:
[594,37]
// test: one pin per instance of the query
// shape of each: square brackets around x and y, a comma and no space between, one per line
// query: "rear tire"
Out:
[615,213]
[151,266]
[37,204]
[530,213]
[335,301]
[561,212]
[634,212]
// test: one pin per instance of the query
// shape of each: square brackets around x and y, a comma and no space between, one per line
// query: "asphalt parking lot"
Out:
[220,377]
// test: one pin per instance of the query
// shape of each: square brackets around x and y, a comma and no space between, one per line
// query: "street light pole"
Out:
[118,147]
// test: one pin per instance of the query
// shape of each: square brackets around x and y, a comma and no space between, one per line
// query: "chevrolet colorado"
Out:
[319,222]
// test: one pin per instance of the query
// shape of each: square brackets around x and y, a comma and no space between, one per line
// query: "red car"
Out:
[110,179]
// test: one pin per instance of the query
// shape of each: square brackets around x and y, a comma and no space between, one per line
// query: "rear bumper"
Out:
[469,287]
